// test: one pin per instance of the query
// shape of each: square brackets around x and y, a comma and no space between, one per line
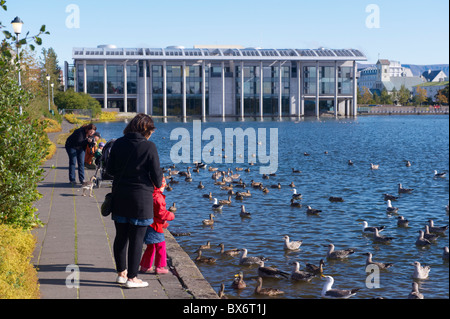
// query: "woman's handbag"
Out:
[106,208]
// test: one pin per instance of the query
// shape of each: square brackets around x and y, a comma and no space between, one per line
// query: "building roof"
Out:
[430,75]
[384,62]
[397,82]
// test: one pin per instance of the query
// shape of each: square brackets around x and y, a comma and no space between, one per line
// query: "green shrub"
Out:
[71,100]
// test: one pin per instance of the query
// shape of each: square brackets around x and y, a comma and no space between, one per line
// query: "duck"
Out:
[334,199]
[169,188]
[186,173]
[299,275]
[402,190]
[421,240]
[172,180]
[445,253]
[350,162]
[249,260]
[238,282]
[246,194]
[441,175]
[270,272]
[366,229]
[292,184]
[306,154]
[338,254]
[265,190]
[202,259]
[231,252]
[266,291]
[415,293]
[225,201]
[390,209]
[200,185]
[378,264]
[209,221]
[316,270]
[408,164]
[209,196]
[291,245]
[437,229]
[294,203]
[216,205]
[255,184]
[329,292]
[221,292]
[276,186]
[402,222]
[420,272]
[296,170]
[244,213]
[188,178]
[173,208]
[227,188]
[390,197]
[373,166]
[312,211]
[239,196]
[206,246]
[296,195]
[428,235]
[381,239]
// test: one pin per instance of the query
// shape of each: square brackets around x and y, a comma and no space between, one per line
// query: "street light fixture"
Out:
[48,84]
[17,27]
[53,100]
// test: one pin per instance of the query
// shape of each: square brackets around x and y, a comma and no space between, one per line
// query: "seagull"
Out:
[244,213]
[373,166]
[291,245]
[338,254]
[381,239]
[238,282]
[216,205]
[350,162]
[438,229]
[370,230]
[442,175]
[231,252]
[420,272]
[378,264]
[266,291]
[312,211]
[421,240]
[390,197]
[299,275]
[402,190]
[445,253]
[390,209]
[328,292]
[402,222]
[428,235]
[415,294]
[295,195]
[270,272]
[248,261]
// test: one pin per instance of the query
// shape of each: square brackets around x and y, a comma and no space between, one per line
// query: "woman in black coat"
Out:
[75,146]
[134,163]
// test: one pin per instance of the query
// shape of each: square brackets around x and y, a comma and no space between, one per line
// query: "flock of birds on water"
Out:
[232,182]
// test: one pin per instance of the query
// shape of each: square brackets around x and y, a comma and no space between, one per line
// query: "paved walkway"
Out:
[77,236]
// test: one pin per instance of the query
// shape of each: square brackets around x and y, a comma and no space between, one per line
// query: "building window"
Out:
[327,75]
[80,78]
[95,79]
[115,79]
[309,79]
[345,85]
[132,79]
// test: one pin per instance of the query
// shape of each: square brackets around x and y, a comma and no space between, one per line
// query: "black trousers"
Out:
[128,238]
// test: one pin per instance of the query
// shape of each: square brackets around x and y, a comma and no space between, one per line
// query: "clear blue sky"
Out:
[412,32]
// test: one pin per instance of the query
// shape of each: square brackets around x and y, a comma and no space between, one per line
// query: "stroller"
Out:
[101,163]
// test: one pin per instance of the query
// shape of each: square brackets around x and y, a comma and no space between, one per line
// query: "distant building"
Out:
[434,76]
[432,88]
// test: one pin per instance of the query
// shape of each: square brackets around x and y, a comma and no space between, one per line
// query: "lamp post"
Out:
[17,27]
[48,84]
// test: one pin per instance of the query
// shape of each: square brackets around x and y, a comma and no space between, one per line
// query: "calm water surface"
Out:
[386,140]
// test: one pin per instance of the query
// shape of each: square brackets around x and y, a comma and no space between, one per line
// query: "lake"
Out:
[388,141]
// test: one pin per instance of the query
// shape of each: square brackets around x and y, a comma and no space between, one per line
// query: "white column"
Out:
[105,85]
[85,77]
[164,89]
[184,89]
[242,89]
[261,90]
[299,89]
[203,90]
[302,97]
[280,90]
[223,90]
[145,88]
[355,91]
[317,88]
[125,88]
[336,73]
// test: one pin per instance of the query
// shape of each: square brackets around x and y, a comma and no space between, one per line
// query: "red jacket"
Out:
[160,214]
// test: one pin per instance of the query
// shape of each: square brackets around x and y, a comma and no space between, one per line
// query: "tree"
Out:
[394,95]
[442,96]
[71,100]
[421,95]
[366,97]
[385,98]
[403,95]
[50,66]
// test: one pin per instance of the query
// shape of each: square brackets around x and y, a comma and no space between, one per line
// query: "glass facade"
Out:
[132,79]
[95,79]
[309,80]
[115,79]
[326,76]
[345,84]
[157,89]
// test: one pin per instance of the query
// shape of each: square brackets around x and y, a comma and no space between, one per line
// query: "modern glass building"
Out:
[205,81]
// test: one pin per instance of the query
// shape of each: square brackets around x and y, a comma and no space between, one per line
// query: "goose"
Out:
[366,229]
[225,201]
[445,253]
[276,186]
[312,211]
[209,195]
[442,175]
[338,254]
[438,229]
[415,294]
[202,259]
[244,213]
[390,209]
[270,272]
[316,270]
[206,246]
[209,221]
[421,240]
[200,185]
[172,208]
[428,235]
[291,245]
[299,275]
[266,291]
[334,199]
[329,292]
[373,166]
[232,252]
[295,195]
[390,197]
[221,292]
[249,260]
[294,203]
[420,272]
[216,205]
[378,264]
[200,165]
[402,222]
[381,239]
[238,282]
[402,190]
[296,171]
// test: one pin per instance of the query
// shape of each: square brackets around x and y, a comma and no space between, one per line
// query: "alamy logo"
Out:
[212,152]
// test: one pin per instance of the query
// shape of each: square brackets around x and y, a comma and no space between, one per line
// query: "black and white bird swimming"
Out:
[402,222]
[270,272]
[296,195]
[299,275]
[329,292]
[312,211]
[441,175]
[402,190]
[216,205]
[390,209]
[338,254]
[370,230]
[249,260]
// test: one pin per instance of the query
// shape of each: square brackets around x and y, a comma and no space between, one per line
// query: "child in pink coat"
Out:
[154,238]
